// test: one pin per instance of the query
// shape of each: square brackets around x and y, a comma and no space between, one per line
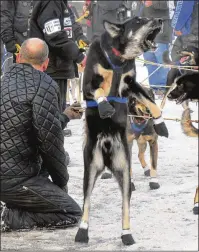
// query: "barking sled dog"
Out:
[109,79]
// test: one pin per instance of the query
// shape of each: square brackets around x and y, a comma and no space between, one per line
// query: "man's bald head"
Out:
[34,51]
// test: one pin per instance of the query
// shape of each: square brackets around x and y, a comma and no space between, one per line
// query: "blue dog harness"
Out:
[92,104]
[137,128]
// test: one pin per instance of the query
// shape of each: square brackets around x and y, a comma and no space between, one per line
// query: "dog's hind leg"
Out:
[142,145]
[93,167]
[154,157]
[121,171]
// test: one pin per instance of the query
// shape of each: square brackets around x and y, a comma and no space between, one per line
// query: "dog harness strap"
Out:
[138,128]
[91,104]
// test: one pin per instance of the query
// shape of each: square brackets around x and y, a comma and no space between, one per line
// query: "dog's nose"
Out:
[160,20]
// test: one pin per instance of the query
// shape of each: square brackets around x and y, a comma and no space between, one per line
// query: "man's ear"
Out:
[112,29]
[45,65]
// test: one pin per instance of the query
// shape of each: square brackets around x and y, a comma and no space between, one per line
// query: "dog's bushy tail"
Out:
[187,126]
[166,59]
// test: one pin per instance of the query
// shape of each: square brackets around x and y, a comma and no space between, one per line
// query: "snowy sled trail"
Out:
[160,220]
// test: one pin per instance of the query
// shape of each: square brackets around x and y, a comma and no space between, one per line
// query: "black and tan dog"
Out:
[142,130]
[187,57]
[183,89]
[109,79]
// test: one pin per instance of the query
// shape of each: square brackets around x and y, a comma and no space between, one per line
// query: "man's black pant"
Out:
[63,89]
[37,202]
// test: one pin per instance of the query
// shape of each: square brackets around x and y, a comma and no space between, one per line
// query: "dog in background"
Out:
[188,57]
[142,130]
[109,79]
[183,89]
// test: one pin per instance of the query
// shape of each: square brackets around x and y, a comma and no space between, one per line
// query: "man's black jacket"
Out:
[14,20]
[47,23]
[31,131]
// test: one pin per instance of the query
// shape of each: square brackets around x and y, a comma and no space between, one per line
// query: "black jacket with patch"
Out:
[51,22]
[31,132]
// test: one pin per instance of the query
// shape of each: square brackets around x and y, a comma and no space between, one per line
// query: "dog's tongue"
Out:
[183,59]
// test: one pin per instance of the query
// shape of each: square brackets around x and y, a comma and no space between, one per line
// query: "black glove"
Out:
[160,127]
[11,47]
[105,109]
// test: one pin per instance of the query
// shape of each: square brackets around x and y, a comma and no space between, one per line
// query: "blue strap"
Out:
[138,128]
[91,104]
[114,67]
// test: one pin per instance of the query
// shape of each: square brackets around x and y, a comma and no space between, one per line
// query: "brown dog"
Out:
[142,130]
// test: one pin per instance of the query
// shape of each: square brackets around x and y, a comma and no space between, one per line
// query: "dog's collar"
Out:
[116,52]
[113,55]
[116,67]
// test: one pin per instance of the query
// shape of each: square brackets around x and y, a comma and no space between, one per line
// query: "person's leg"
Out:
[73,89]
[38,202]
[63,90]
[152,69]
[162,72]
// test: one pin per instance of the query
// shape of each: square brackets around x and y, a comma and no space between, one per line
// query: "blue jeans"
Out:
[160,76]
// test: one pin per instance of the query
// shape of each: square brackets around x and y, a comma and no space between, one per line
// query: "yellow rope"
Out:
[83,16]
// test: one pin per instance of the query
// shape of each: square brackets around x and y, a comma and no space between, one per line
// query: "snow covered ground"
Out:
[161,220]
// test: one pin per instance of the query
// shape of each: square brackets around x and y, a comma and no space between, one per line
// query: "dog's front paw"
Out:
[160,127]
[106,110]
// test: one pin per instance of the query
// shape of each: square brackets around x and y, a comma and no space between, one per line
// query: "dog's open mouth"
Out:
[182,98]
[150,37]
[141,116]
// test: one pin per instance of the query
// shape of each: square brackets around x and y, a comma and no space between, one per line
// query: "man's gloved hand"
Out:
[160,127]
[105,109]
[18,48]
[73,112]
[11,46]
[83,42]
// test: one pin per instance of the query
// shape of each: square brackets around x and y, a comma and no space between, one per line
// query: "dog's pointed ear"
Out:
[112,29]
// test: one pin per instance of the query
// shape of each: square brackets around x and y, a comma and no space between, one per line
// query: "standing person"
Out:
[51,22]
[113,11]
[32,142]
[185,25]
[15,17]
[82,41]
[88,5]
[157,9]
